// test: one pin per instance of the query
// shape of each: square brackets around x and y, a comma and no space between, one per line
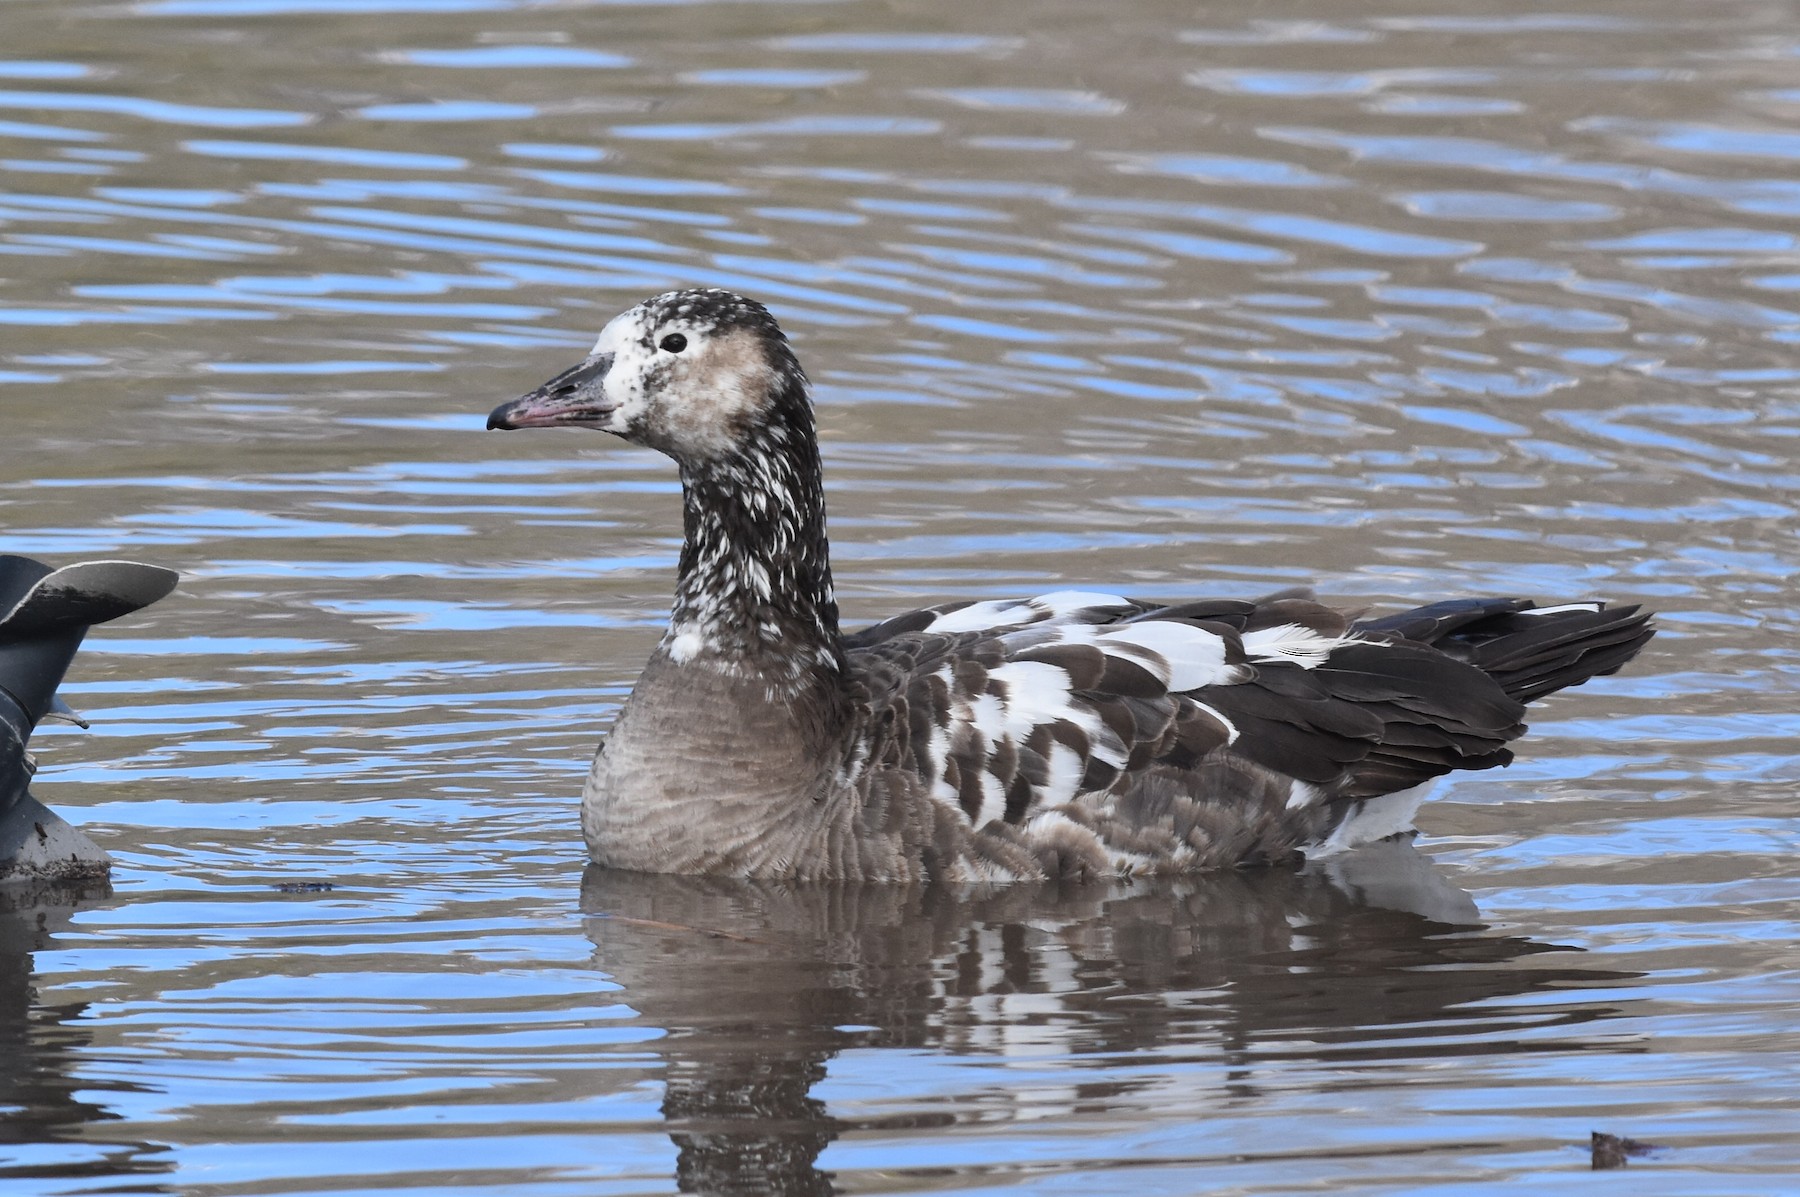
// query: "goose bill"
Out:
[575,397]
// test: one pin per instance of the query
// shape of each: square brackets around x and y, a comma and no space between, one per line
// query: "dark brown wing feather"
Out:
[1391,702]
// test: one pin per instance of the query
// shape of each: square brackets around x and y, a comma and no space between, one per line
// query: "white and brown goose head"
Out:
[689,373]
[707,377]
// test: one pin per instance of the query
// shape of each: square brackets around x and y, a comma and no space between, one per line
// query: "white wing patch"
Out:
[993,614]
[1036,694]
[988,715]
[993,799]
[979,617]
[1302,794]
[1294,643]
[1032,695]
[1066,768]
[1021,697]
[1182,656]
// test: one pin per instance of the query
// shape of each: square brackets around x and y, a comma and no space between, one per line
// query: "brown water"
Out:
[1409,300]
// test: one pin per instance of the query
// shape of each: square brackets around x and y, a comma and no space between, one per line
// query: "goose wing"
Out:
[1007,708]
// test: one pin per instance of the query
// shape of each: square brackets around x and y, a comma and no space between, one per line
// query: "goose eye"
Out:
[674,342]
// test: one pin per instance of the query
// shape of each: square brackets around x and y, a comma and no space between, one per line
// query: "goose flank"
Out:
[1072,734]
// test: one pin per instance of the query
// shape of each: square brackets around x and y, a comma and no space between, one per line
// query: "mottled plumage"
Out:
[1072,734]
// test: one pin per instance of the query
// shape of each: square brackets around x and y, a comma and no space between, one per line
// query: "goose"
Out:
[1075,734]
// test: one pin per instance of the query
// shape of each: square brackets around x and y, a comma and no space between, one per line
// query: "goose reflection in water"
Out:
[755,985]
[42,1098]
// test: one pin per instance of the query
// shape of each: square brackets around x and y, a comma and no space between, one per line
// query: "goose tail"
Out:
[1529,650]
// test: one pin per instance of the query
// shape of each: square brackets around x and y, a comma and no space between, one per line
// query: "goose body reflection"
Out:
[1075,734]
[43,1043]
[761,988]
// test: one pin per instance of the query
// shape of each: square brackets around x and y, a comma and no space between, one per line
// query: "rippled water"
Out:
[1406,300]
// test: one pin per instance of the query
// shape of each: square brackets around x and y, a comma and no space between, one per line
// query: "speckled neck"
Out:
[755,579]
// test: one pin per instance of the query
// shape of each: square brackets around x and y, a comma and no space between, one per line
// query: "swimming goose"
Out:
[1072,734]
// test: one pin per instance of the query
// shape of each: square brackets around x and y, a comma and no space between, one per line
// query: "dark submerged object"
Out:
[1073,734]
[44,614]
[1615,1151]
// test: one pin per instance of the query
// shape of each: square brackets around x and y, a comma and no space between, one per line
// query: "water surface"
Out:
[1401,301]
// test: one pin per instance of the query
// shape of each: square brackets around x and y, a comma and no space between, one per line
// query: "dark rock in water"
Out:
[1613,1151]
[44,614]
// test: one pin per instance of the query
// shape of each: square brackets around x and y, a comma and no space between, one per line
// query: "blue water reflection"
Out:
[1175,303]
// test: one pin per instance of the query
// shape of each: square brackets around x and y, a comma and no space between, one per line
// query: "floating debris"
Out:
[1613,1151]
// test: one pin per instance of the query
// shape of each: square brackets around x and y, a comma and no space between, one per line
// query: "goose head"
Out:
[692,374]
